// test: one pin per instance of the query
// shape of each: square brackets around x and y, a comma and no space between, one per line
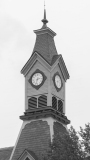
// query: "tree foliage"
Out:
[66,146]
[71,145]
[85,138]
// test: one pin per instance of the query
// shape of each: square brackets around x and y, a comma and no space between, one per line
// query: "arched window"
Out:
[60,106]
[42,101]
[32,103]
[54,102]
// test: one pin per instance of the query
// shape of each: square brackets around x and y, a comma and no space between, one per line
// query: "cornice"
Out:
[44,31]
[43,113]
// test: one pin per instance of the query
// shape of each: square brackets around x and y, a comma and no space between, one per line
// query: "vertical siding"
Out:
[29,90]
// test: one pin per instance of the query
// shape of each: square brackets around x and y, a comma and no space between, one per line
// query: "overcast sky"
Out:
[70,19]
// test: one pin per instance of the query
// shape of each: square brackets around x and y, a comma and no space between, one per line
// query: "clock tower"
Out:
[45,76]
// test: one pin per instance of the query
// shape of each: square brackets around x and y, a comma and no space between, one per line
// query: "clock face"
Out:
[37,79]
[58,81]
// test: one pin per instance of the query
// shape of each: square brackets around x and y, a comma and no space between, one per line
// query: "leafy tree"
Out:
[66,146]
[85,138]
[76,142]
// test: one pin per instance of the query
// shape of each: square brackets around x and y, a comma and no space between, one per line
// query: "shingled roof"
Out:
[34,138]
[5,153]
[45,44]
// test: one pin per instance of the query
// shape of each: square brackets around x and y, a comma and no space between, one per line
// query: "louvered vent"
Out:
[54,102]
[42,101]
[32,103]
[60,106]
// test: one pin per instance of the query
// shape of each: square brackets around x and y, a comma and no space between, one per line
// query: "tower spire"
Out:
[44,20]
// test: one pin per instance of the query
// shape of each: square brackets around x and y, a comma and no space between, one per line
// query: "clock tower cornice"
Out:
[44,113]
[46,30]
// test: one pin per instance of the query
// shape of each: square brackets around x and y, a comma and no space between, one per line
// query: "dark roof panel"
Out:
[54,58]
[5,153]
[34,139]
[45,45]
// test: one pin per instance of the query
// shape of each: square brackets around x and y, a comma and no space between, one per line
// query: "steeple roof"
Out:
[45,47]
[45,44]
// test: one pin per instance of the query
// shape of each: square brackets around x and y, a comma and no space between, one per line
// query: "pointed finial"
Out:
[44,4]
[45,21]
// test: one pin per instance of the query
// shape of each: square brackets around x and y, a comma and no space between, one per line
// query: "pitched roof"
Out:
[25,154]
[34,139]
[29,62]
[5,153]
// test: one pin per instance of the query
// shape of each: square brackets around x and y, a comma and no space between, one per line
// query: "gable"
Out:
[61,93]
[28,155]
[30,63]
[55,59]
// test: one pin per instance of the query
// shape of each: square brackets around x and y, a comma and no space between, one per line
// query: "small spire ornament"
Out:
[44,20]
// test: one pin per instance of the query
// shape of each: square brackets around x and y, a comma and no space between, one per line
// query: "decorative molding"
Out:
[46,30]
[35,57]
[58,89]
[45,112]
[27,154]
[30,79]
